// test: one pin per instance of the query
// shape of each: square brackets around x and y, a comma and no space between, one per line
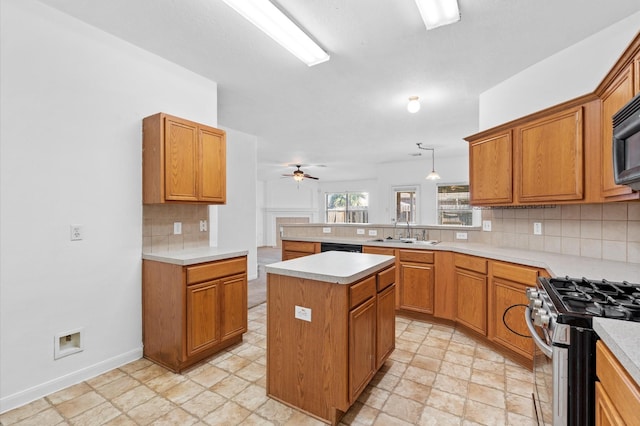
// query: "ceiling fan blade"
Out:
[310,177]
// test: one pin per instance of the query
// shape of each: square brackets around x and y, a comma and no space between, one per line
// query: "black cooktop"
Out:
[582,298]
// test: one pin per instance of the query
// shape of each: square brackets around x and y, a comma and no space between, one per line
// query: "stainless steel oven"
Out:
[559,318]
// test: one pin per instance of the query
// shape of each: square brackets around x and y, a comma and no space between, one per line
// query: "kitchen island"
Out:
[330,327]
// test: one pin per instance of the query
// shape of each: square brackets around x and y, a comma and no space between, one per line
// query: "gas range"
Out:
[577,300]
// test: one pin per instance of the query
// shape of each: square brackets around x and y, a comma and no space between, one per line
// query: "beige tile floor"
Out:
[436,376]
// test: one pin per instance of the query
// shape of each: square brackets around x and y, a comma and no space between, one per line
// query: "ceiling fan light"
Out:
[414,104]
[436,13]
[264,15]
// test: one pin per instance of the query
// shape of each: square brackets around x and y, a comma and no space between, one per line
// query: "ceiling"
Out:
[349,114]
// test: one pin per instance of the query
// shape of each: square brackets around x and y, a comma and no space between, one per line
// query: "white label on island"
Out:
[303,314]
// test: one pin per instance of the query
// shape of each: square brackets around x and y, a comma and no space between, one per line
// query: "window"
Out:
[347,207]
[406,200]
[453,205]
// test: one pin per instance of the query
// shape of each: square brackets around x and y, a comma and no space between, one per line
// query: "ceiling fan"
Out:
[298,174]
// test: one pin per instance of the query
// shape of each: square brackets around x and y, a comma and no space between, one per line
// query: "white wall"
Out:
[237,218]
[571,73]
[72,101]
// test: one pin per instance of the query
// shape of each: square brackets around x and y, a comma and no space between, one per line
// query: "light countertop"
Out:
[332,266]
[556,264]
[623,338]
[195,255]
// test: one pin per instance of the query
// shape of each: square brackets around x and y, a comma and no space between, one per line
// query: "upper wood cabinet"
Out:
[490,169]
[183,161]
[622,83]
[549,158]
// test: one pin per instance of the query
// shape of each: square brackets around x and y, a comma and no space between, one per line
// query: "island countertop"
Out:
[332,266]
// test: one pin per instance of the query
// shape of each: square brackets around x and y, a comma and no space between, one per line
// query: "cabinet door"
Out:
[416,287]
[181,160]
[213,167]
[386,324]
[491,170]
[550,159]
[471,309]
[362,347]
[615,97]
[234,306]
[504,295]
[606,413]
[203,322]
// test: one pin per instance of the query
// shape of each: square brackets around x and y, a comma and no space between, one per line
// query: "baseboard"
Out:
[28,395]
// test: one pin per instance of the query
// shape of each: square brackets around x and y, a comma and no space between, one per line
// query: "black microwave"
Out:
[626,144]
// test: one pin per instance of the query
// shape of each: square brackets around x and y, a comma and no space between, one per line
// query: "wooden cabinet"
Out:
[386,315]
[471,291]
[444,291]
[416,280]
[362,346]
[183,161]
[294,249]
[549,159]
[191,312]
[507,294]
[488,155]
[322,365]
[617,393]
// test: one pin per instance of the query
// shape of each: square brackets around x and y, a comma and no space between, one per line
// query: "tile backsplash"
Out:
[601,231]
[157,229]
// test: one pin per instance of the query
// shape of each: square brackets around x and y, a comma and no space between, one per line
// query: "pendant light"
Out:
[433,175]
[414,104]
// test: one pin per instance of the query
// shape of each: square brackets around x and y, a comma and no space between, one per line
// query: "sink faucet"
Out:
[408,230]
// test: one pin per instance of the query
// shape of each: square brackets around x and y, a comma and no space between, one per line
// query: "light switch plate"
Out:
[360,231]
[373,232]
[537,228]
[326,230]
[461,235]
[177,228]
[302,313]
[486,225]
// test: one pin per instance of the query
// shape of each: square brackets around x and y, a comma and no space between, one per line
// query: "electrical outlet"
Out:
[203,226]
[177,228]
[537,228]
[461,235]
[486,225]
[77,233]
[373,232]
[360,231]
[303,314]
[326,230]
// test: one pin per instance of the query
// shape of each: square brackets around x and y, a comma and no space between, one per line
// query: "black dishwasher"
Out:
[353,248]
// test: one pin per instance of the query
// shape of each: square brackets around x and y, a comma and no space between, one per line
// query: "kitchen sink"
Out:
[406,241]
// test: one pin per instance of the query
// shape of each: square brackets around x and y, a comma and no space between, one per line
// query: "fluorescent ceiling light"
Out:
[264,15]
[436,13]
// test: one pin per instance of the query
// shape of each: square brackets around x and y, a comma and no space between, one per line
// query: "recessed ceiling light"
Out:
[264,15]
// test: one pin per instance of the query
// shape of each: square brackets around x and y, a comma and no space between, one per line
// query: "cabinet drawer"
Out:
[617,383]
[420,256]
[379,250]
[472,263]
[386,278]
[303,246]
[362,291]
[219,269]
[519,274]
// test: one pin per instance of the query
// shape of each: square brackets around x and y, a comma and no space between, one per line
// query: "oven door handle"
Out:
[546,349]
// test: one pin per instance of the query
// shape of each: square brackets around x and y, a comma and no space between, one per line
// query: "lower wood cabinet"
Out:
[347,338]
[617,393]
[295,249]
[191,312]
[507,302]
[416,280]
[471,291]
